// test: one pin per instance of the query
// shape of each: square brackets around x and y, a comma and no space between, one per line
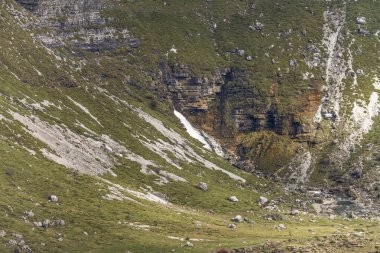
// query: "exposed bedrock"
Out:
[227,110]
[78,23]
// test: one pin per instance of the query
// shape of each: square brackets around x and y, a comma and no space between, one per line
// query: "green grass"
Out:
[27,180]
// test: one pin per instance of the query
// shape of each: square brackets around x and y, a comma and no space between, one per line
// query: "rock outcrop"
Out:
[226,107]
[78,23]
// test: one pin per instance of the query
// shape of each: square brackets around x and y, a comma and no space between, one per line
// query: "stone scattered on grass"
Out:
[46,223]
[18,236]
[257,26]
[358,234]
[233,199]
[60,222]
[248,220]
[263,200]
[12,242]
[294,212]
[202,186]
[361,20]
[188,244]
[28,214]
[53,198]
[360,72]
[37,224]
[3,233]
[232,226]
[292,63]
[274,216]
[364,32]
[280,227]
[237,218]
[27,249]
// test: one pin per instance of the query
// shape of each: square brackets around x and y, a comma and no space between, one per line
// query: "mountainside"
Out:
[145,126]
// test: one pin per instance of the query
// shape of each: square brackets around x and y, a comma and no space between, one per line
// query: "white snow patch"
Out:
[191,130]
[208,141]
[180,148]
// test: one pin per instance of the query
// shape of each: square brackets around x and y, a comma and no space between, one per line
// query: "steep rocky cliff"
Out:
[78,23]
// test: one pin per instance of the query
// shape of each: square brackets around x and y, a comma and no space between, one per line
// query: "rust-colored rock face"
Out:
[227,111]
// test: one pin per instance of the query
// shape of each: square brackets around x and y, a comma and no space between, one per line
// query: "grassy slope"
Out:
[26,180]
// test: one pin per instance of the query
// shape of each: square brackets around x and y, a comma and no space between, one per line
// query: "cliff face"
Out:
[79,24]
[306,129]
[228,109]
[67,14]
